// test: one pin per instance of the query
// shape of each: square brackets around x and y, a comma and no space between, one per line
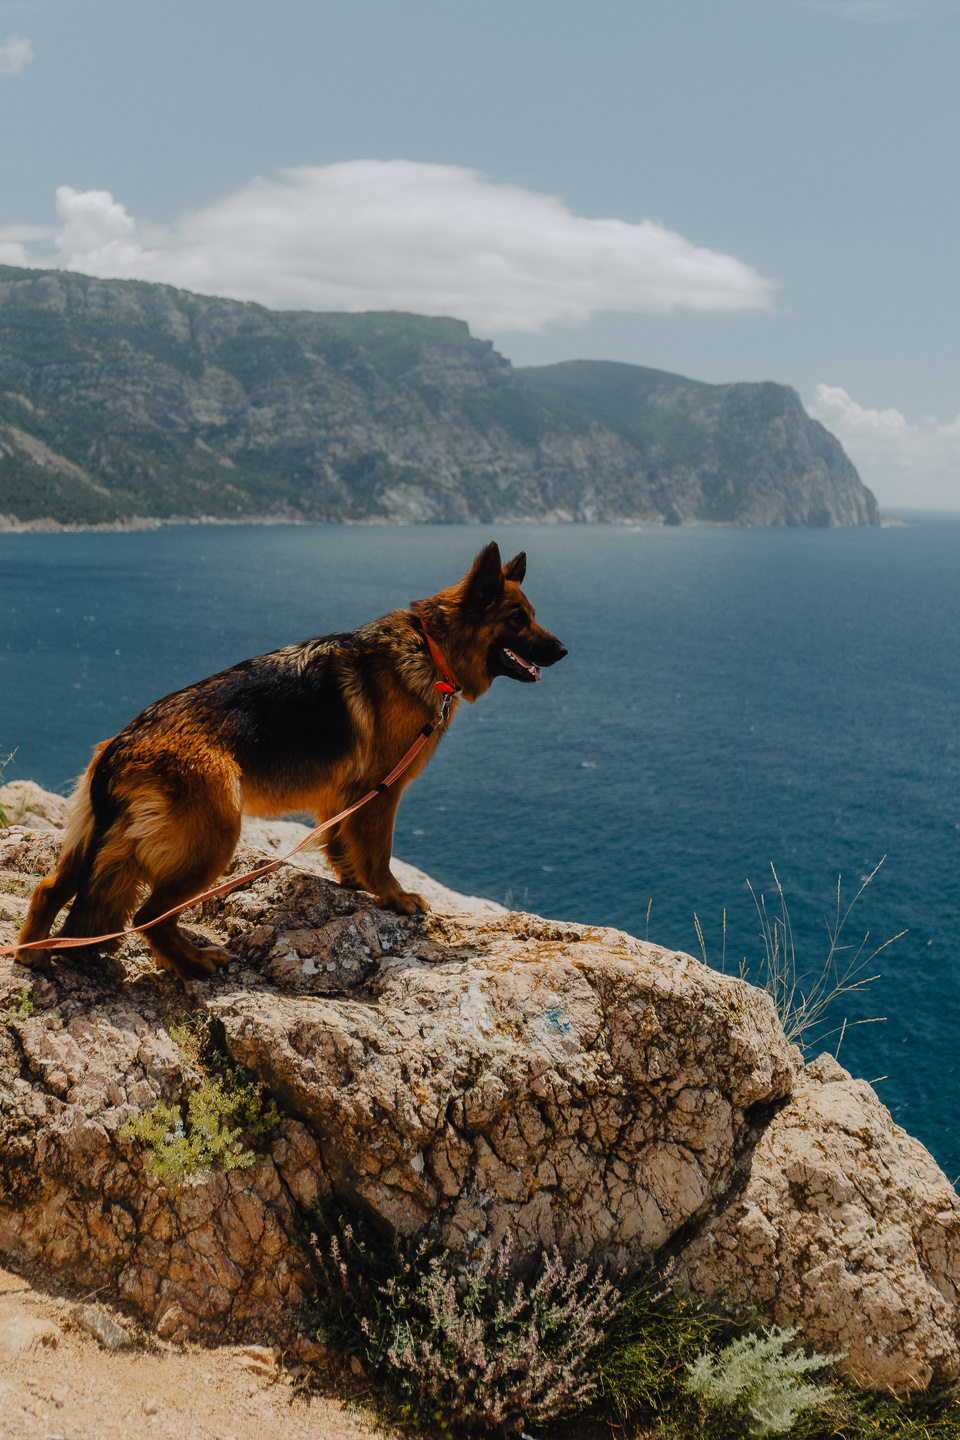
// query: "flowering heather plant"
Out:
[477,1346]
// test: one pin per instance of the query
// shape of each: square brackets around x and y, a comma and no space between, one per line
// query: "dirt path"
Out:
[58,1383]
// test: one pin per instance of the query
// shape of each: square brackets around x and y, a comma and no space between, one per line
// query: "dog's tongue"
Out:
[534,669]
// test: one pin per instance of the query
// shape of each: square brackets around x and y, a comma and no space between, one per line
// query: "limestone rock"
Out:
[111,1334]
[491,1070]
[25,803]
[496,1070]
[216,1252]
[77,1196]
[262,1359]
[28,1334]
[572,1084]
[842,1222]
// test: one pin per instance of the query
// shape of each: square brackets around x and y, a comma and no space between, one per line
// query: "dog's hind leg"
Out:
[76,858]
[173,949]
[47,901]
[337,846]
[108,888]
[184,858]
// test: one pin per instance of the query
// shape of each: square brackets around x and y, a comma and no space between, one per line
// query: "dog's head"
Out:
[517,645]
[487,628]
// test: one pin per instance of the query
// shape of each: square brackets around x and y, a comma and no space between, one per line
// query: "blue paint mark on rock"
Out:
[557,1021]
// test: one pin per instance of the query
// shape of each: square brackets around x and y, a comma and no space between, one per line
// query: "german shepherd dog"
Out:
[311,727]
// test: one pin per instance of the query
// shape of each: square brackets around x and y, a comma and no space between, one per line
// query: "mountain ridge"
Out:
[123,401]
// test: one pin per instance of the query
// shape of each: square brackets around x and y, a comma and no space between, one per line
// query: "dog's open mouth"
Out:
[517,663]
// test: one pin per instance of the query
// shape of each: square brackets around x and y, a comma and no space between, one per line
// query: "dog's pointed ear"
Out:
[484,583]
[516,568]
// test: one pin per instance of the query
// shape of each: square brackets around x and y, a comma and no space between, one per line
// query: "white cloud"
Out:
[13,250]
[907,463]
[14,54]
[27,232]
[400,235]
[97,233]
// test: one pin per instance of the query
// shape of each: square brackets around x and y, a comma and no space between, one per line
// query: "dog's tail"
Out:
[97,907]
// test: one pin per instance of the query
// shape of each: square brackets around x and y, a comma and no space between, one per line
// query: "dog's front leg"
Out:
[366,841]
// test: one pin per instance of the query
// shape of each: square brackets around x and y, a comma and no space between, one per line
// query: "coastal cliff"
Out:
[744,454]
[121,399]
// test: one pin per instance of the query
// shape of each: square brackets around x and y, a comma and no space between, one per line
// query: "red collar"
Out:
[446,686]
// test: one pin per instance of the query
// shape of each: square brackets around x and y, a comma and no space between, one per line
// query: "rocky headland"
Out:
[489,1069]
[123,402]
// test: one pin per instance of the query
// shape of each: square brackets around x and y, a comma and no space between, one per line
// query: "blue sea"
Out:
[733,699]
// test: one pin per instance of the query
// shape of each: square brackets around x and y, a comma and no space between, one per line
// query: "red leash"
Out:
[447,688]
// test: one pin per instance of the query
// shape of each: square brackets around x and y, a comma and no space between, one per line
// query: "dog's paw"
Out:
[195,962]
[410,903]
[214,955]
[34,959]
[403,902]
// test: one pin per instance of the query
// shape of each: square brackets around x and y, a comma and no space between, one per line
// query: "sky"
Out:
[728,189]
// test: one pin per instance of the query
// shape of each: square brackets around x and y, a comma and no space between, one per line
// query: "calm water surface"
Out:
[731,698]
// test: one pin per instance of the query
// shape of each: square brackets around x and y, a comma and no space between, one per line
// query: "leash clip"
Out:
[445,704]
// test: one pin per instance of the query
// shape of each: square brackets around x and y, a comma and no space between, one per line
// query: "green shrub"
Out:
[179,1149]
[246,1101]
[641,1360]
[223,1108]
[476,1346]
[657,1341]
[758,1375]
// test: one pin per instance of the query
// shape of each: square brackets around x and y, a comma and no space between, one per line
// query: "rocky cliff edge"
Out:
[491,1070]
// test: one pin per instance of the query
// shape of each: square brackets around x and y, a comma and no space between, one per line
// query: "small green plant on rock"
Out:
[758,1375]
[223,1109]
[178,1148]
[17,887]
[250,1104]
[24,1007]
